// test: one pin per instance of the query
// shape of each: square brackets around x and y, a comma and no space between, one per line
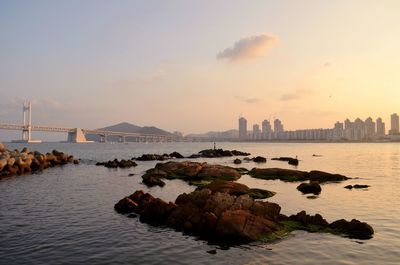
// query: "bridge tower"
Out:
[27,121]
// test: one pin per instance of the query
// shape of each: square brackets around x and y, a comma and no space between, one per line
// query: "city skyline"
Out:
[356,130]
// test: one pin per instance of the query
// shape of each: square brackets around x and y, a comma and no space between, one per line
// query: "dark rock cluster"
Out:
[221,214]
[153,157]
[312,187]
[357,186]
[295,175]
[290,160]
[213,153]
[117,163]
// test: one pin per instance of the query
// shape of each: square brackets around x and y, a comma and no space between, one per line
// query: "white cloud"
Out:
[249,47]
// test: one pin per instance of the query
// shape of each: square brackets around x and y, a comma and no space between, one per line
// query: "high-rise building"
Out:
[266,130]
[380,127]
[242,128]
[256,132]
[278,126]
[338,131]
[369,128]
[394,124]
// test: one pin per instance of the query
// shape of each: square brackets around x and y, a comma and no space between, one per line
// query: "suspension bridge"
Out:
[75,135]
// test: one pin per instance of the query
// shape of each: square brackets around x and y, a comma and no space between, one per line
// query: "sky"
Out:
[197,66]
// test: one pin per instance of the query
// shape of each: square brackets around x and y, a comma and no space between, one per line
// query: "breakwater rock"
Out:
[295,175]
[212,153]
[214,214]
[290,160]
[117,163]
[193,172]
[14,162]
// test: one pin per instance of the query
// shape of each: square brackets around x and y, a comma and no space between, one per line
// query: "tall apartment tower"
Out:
[394,124]
[278,126]
[242,128]
[380,127]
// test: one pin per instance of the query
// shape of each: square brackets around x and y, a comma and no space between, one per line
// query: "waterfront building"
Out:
[394,124]
[380,128]
[369,128]
[242,128]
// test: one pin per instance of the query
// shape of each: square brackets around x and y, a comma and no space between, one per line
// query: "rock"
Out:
[153,179]
[321,176]
[218,172]
[213,153]
[131,174]
[2,147]
[152,157]
[232,188]
[117,164]
[76,162]
[259,159]
[237,161]
[307,220]
[354,228]
[125,205]
[244,225]
[357,186]
[295,175]
[278,173]
[312,187]
[290,160]
[223,216]
[213,251]
[176,155]
[239,153]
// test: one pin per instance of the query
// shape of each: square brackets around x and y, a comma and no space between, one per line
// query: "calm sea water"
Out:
[65,215]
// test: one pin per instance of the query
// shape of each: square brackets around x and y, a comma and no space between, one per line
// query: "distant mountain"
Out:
[128,127]
[230,134]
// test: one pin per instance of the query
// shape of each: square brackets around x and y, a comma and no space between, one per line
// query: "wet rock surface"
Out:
[193,172]
[312,187]
[213,153]
[357,186]
[117,163]
[219,214]
[295,175]
[14,162]
[259,159]
[290,160]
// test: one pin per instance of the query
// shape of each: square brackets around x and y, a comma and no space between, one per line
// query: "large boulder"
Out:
[259,159]
[354,228]
[312,187]
[321,176]
[232,188]
[278,173]
[218,172]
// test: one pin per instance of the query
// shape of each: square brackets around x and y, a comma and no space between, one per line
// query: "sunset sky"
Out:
[196,66]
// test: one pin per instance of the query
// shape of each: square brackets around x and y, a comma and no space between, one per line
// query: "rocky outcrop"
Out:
[259,159]
[117,164]
[290,160]
[213,153]
[176,155]
[237,189]
[224,216]
[357,186]
[312,187]
[192,172]
[152,157]
[202,212]
[295,175]
[17,163]
[237,161]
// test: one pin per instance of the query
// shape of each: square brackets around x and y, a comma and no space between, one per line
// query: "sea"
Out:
[65,215]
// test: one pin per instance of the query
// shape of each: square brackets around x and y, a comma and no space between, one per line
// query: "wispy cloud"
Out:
[249,100]
[249,47]
[297,94]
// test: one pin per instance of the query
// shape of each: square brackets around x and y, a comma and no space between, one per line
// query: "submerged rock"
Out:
[117,164]
[295,175]
[237,161]
[312,187]
[356,186]
[290,160]
[259,159]
[152,157]
[212,153]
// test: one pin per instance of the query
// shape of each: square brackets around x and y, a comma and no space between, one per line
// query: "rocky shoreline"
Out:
[15,162]
[218,211]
